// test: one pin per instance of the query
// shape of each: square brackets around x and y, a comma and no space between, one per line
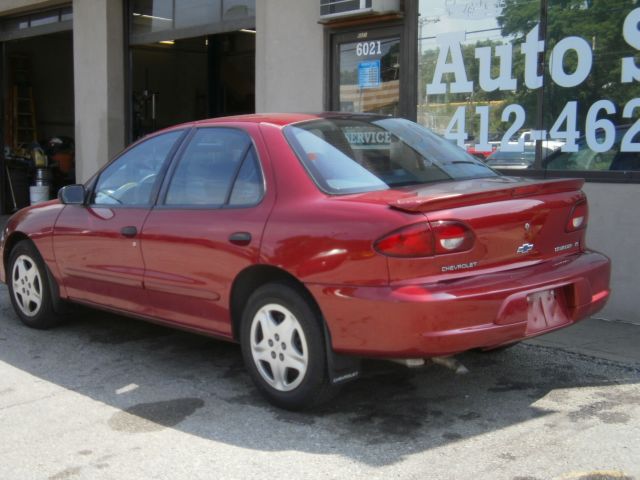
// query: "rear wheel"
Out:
[29,287]
[283,347]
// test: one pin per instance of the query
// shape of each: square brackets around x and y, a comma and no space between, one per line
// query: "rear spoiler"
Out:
[426,201]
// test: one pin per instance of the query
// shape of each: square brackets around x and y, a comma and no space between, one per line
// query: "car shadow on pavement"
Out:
[155,378]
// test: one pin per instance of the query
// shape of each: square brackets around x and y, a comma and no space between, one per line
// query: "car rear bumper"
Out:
[484,311]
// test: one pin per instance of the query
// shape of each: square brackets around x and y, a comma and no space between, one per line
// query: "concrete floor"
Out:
[107,397]
[612,340]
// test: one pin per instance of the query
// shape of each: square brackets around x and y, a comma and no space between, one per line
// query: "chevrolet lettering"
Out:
[460,266]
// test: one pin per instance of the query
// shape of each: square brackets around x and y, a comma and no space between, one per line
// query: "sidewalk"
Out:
[612,340]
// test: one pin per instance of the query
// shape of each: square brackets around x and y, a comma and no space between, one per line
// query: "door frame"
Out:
[406,29]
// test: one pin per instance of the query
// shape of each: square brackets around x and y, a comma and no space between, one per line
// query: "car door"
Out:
[97,245]
[206,227]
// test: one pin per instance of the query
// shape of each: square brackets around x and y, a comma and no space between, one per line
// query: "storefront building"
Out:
[543,88]
[106,72]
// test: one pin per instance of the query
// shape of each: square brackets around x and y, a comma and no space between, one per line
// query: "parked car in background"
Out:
[479,154]
[526,137]
[313,241]
[515,160]
[587,159]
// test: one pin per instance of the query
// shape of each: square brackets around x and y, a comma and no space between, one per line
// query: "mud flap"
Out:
[59,306]
[341,368]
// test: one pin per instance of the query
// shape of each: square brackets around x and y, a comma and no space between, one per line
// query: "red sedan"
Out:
[313,241]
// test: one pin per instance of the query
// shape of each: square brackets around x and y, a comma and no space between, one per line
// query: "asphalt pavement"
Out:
[107,397]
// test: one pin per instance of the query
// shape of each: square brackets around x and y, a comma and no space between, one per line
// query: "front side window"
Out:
[360,154]
[129,180]
[218,168]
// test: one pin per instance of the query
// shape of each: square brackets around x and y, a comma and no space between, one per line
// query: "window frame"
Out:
[178,157]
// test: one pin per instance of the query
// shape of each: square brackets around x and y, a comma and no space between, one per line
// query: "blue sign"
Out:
[369,74]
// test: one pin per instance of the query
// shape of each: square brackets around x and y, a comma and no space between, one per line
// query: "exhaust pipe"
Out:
[409,362]
[448,362]
[451,363]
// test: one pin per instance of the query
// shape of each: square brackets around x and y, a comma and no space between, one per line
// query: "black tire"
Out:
[29,288]
[292,373]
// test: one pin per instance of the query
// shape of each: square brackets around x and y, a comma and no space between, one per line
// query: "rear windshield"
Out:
[351,155]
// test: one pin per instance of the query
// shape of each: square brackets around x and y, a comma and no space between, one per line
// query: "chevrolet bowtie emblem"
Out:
[525,248]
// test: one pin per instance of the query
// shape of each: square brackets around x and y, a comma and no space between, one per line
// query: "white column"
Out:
[98,57]
[289,56]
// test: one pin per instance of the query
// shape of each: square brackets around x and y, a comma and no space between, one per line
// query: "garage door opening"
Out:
[176,81]
[38,100]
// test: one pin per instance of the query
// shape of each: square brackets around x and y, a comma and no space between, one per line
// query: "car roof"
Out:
[278,119]
[283,119]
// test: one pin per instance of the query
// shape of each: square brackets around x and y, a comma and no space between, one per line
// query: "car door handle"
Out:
[129,231]
[240,238]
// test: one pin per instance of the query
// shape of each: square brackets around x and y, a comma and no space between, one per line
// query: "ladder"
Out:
[24,116]
[20,114]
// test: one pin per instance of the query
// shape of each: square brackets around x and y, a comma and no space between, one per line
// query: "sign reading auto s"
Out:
[599,131]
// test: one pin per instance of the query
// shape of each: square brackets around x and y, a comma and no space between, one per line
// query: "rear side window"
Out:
[360,154]
[218,168]
[248,187]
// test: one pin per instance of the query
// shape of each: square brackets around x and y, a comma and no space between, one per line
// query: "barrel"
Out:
[38,194]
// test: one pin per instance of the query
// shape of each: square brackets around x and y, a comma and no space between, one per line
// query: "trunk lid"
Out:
[516,222]
[478,191]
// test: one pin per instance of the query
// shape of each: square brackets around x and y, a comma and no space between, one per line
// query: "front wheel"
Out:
[283,347]
[29,287]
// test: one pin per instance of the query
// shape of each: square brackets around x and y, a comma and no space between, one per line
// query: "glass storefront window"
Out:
[157,20]
[151,16]
[233,9]
[493,77]
[18,23]
[470,80]
[189,13]
[590,98]
[45,18]
[370,76]
[13,25]
[66,14]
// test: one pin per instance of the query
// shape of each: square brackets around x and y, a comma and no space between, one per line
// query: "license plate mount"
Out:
[546,310]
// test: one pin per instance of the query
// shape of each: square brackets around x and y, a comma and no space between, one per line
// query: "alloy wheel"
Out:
[27,285]
[279,347]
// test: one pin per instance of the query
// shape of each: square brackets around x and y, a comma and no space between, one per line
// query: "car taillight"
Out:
[578,218]
[423,240]
[451,237]
[413,241]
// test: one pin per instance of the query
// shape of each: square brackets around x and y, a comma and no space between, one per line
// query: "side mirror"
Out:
[72,195]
